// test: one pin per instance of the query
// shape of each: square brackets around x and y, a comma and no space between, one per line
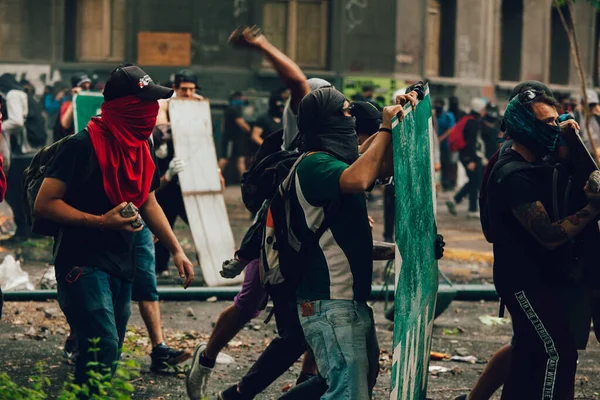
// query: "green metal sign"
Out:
[416,266]
[85,106]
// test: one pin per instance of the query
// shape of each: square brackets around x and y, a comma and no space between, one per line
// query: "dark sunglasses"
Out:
[348,109]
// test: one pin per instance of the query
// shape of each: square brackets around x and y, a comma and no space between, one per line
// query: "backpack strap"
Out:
[284,191]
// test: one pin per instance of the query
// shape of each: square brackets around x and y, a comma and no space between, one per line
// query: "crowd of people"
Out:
[310,246]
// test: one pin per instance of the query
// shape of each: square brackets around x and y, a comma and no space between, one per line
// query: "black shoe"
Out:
[461,397]
[164,357]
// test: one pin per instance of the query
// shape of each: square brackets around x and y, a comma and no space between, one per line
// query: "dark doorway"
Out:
[511,40]
[447,37]
[560,59]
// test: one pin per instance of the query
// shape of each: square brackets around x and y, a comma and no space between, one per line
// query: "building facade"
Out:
[463,47]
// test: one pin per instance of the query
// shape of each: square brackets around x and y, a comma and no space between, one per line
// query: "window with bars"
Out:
[100,30]
[299,28]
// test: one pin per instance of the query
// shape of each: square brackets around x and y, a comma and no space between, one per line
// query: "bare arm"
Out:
[289,72]
[367,143]
[241,122]
[154,216]
[66,121]
[534,218]
[256,135]
[362,173]
[49,204]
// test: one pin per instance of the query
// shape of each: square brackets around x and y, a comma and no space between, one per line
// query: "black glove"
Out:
[418,87]
[232,268]
[439,247]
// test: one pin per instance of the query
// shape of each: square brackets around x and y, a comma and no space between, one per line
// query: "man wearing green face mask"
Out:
[535,248]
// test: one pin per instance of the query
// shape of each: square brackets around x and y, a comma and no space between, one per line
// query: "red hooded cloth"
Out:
[120,140]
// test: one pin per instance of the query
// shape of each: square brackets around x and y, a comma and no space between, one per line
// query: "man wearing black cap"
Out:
[87,186]
[80,82]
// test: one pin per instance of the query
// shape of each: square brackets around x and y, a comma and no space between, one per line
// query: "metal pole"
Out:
[173,293]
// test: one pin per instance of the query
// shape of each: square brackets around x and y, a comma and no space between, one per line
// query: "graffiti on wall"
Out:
[355,13]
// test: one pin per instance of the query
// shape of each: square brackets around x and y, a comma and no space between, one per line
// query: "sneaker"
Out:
[473,215]
[196,381]
[451,207]
[71,350]
[164,357]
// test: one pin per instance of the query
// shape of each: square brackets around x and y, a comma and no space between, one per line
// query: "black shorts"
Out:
[235,148]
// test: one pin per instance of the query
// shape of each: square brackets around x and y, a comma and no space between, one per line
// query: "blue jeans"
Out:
[97,306]
[144,280]
[341,334]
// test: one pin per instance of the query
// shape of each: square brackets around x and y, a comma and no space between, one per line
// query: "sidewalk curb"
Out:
[465,255]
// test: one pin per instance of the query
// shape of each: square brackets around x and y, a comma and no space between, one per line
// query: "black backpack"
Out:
[497,175]
[283,253]
[35,124]
[270,167]
[33,177]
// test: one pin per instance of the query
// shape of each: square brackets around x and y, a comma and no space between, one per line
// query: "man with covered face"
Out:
[536,239]
[337,322]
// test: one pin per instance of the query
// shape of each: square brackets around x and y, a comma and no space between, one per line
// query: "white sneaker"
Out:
[473,215]
[196,381]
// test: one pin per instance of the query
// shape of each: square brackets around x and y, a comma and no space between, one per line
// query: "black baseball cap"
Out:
[131,80]
[530,85]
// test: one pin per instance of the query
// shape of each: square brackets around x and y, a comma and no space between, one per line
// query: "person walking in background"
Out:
[472,157]
[236,133]
[490,130]
[271,121]
[64,124]
[445,123]
[594,121]
[23,123]
[51,101]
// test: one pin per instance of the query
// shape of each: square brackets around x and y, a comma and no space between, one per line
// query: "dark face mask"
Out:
[323,127]
[340,139]
[439,110]
[524,127]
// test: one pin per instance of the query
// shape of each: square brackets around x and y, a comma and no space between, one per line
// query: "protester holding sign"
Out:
[533,249]
[333,172]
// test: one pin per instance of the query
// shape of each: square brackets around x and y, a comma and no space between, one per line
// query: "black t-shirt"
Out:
[76,165]
[231,130]
[268,124]
[519,259]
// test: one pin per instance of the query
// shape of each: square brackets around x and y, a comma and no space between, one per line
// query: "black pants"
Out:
[171,201]
[14,193]
[389,213]
[544,354]
[471,188]
[283,351]
[449,169]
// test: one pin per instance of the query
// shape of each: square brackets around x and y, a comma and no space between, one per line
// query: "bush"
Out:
[101,385]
